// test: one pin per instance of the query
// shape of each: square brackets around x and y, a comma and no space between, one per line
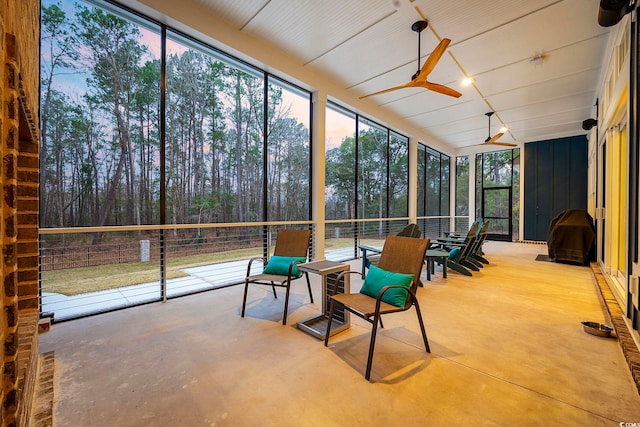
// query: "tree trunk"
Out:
[113,185]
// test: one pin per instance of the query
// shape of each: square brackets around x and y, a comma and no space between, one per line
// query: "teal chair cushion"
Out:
[279,265]
[378,278]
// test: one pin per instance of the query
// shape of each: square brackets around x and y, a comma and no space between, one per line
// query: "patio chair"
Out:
[411,230]
[477,253]
[472,257]
[460,252]
[292,247]
[456,238]
[388,288]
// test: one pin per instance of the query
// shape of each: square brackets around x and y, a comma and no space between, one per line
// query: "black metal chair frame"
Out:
[274,280]
[374,317]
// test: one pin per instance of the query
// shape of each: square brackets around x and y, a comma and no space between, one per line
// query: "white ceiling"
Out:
[364,46]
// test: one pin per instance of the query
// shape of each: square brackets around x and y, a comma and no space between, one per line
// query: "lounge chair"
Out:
[460,251]
[477,253]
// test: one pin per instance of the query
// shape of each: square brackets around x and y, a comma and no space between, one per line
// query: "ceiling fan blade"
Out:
[421,79]
[506,144]
[441,89]
[410,84]
[432,60]
[494,141]
[494,138]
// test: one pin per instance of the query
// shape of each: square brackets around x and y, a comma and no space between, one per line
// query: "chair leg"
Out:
[244,299]
[424,333]
[480,258]
[309,286]
[274,291]
[474,262]
[372,345]
[459,268]
[332,305]
[469,265]
[286,304]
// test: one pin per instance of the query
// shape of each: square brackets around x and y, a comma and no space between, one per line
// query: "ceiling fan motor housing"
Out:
[418,26]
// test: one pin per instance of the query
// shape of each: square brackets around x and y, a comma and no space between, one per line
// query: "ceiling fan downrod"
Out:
[418,26]
[489,114]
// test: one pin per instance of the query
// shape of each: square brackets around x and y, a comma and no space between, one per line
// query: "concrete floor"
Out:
[507,349]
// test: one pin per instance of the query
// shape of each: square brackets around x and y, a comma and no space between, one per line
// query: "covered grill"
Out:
[572,237]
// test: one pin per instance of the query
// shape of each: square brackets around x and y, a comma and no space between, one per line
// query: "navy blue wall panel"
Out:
[561,175]
[555,179]
[530,172]
[579,176]
[543,189]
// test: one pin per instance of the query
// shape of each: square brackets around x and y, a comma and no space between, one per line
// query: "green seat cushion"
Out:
[279,265]
[454,253]
[378,278]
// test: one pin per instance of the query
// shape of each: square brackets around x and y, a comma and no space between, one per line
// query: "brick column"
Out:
[19,294]
[9,116]
[27,216]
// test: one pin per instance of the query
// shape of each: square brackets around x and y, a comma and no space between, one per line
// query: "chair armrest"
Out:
[264,262]
[451,241]
[370,248]
[331,292]
[444,243]
[386,288]
[291,265]
[364,249]
[451,235]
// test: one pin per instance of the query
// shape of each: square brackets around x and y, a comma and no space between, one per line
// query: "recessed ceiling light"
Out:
[504,129]
[467,81]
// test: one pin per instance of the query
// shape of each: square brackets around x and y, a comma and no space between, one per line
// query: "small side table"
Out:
[317,325]
[432,255]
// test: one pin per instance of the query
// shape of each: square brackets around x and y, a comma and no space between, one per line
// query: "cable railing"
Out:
[91,270]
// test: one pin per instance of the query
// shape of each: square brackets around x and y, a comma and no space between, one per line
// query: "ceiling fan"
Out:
[419,79]
[493,140]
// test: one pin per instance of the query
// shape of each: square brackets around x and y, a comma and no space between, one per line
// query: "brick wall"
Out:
[21,18]
[19,57]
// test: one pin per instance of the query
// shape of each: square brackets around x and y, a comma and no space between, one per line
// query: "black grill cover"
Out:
[572,237]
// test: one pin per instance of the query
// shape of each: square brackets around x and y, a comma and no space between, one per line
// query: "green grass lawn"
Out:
[76,281]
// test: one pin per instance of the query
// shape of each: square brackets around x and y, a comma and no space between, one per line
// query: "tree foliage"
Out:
[232,142]
[102,130]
